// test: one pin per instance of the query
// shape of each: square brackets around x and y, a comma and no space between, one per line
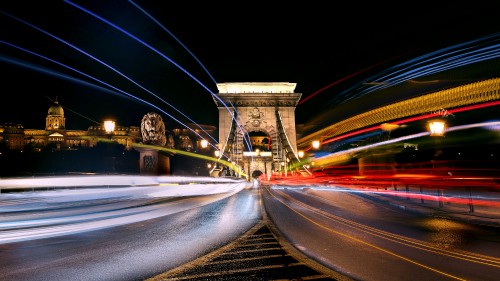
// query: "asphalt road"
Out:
[366,240]
[137,250]
[332,235]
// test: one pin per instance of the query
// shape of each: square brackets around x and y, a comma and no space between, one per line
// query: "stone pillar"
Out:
[152,162]
[163,164]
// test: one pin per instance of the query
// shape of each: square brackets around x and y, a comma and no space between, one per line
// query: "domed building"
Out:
[55,117]
[16,137]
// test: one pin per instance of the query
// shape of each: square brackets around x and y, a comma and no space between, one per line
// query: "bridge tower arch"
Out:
[257,125]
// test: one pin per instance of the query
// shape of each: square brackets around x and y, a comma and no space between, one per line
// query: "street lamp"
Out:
[301,153]
[316,144]
[109,126]
[437,127]
[204,143]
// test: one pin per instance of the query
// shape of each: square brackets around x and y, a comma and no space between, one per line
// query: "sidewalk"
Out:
[484,210]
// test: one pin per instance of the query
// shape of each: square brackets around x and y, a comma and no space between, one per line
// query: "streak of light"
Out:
[451,57]
[344,155]
[458,189]
[464,200]
[340,80]
[176,39]
[466,53]
[455,199]
[81,115]
[138,40]
[107,181]
[55,74]
[49,71]
[36,224]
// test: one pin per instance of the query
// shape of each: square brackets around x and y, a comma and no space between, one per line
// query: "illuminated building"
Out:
[55,134]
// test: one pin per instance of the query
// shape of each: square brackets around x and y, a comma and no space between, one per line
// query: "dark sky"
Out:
[174,54]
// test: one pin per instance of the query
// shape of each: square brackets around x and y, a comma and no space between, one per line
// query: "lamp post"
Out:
[437,128]
[316,144]
[109,127]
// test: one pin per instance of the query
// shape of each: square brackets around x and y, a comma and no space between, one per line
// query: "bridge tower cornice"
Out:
[258,99]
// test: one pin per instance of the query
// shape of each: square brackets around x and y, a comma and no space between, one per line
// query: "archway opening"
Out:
[256,174]
[260,141]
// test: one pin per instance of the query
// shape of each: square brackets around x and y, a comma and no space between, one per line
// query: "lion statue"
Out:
[153,129]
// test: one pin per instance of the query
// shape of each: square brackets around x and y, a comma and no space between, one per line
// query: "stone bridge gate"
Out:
[257,126]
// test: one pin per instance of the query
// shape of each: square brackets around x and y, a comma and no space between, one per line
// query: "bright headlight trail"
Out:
[42,214]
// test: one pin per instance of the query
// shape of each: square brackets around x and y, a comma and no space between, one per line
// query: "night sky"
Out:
[122,59]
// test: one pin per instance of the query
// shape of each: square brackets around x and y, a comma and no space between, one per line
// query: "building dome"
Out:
[56,109]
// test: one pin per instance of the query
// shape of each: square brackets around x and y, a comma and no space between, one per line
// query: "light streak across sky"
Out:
[176,39]
[474,51]
[339,81]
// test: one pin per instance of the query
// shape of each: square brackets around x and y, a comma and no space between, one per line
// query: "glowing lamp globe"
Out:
[437,128]
[301,154]
[315,144]
[204,143]
[109,126]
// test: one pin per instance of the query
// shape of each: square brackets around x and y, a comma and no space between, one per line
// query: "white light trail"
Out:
[42,214]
